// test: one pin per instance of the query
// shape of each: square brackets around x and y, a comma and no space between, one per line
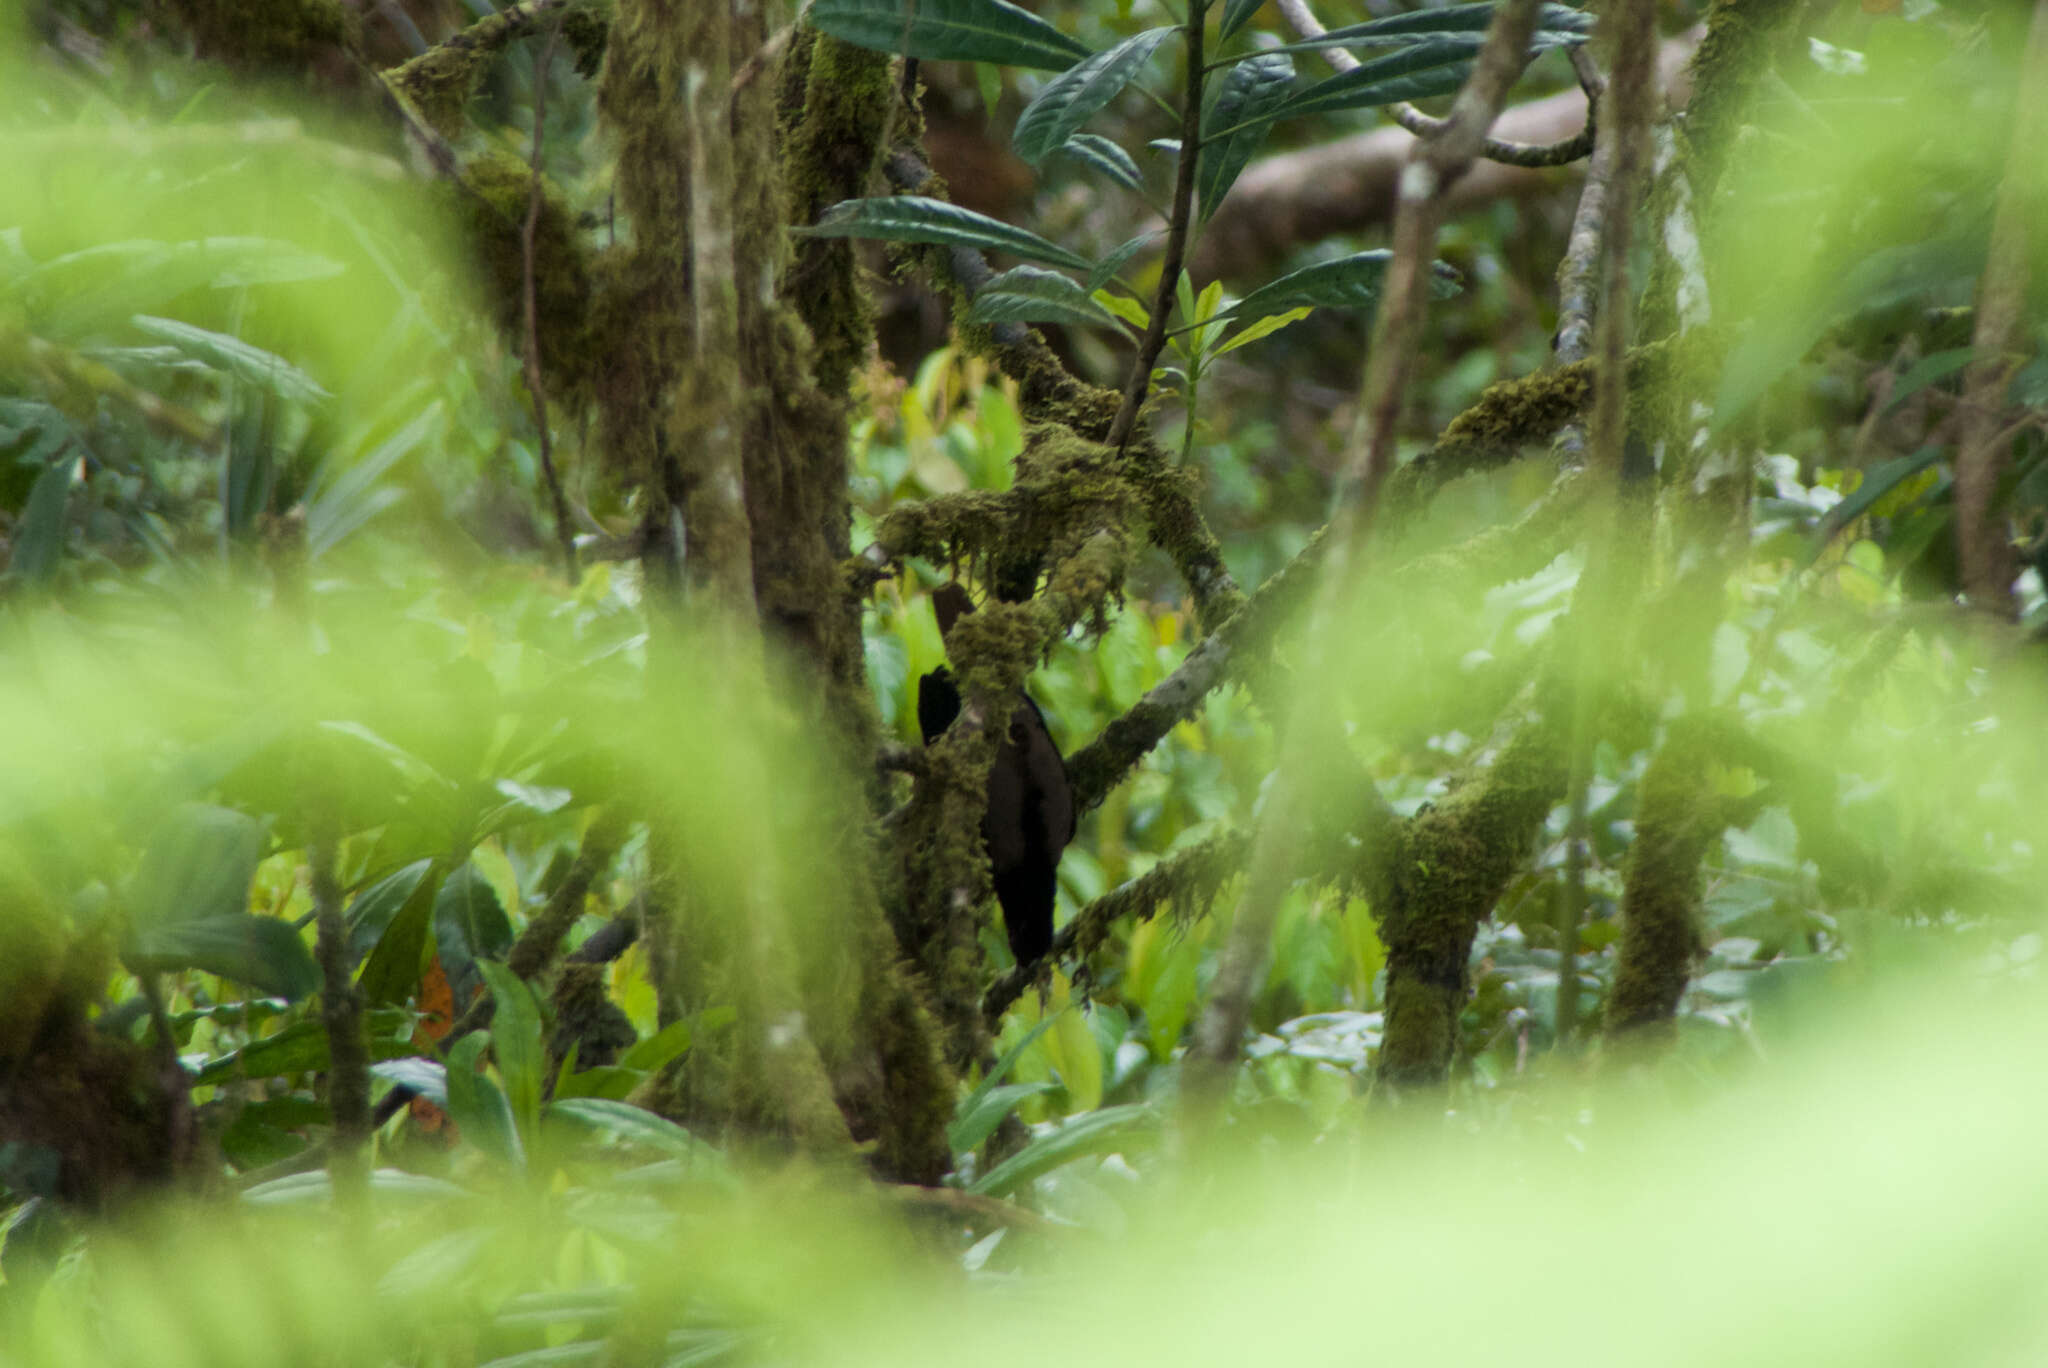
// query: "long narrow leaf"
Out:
[1095,1133]
[912,218]
[1556,23]
[1349,282]
[1029,294]
[1436,67]
[515,1030]
[950,31]
[1236,14]
[232,356]
[1094,150]
[1076,95]
[39,532]
[1248,92]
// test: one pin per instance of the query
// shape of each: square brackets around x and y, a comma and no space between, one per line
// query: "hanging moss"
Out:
[268,34]
[493,218]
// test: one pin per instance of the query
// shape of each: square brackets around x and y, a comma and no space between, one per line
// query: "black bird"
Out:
[1030,815]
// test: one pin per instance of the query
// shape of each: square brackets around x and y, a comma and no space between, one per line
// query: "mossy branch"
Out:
[1184,883]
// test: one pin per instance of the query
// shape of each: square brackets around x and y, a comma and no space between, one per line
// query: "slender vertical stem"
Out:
[1179,227]
[528,233]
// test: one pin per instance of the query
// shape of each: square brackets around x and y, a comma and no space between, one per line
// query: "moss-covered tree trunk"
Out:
[728,413]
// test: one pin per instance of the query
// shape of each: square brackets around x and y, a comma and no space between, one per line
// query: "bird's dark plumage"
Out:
[1030,817]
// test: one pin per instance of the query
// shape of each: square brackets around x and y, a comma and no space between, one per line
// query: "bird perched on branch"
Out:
[1030,816]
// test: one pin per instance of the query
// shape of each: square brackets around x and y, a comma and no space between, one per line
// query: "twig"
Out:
[1177,230]
[1308,27]
[1982,543]
[536,388]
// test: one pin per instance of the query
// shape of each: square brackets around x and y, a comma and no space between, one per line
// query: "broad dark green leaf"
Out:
[636,1124]
[1349,282]
[978,1121]
[1028,294]
[39,532]
[1094,150]
[1077,94]
[515,1026]
[1926,371]
[262,952]
[469,925]
[1234,123]
[1094,1133]
[198,864]
[392,973]
[371,914]
[1236,14]
[1876,484]
[1435,67]
[234,357]
[950,31]
[300,1048]
[912,218]
[478,1105]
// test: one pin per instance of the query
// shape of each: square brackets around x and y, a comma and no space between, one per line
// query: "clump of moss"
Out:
[494,216]
[267,33]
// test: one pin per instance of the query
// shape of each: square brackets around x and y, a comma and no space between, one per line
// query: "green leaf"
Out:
[199,863]
[427,1077]
[1092,149]
[1555,24]
[319,1187]
[912,218]
[1265,327]
[1094,1133]
[515,1027]
[1124,307]
[262,952]
[1235,121]
[637,1124]
[374,909]
[1115,261]
[469,926]
[1876,484]
[1926,371]
[232,356]
[517,1033]
[1028,294]
[978,1120]
[608,1081]
[658,1049]
[39,532]
[1236,14]
[299,1048]
[349,496]
[392,973]
[973,1108]
[1078,94]
[1436,67]
[1348,282]
[950,31]
[478,1105]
